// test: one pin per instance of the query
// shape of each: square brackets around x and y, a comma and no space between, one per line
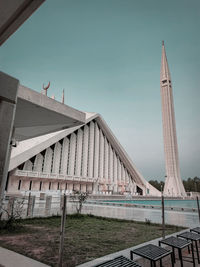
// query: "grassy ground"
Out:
[86,237]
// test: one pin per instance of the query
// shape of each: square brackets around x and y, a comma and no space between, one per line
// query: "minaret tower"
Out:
[173,183]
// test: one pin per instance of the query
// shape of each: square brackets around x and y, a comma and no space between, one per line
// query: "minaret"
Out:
[173,183]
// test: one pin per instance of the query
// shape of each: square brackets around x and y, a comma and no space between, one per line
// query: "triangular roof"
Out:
[31,147]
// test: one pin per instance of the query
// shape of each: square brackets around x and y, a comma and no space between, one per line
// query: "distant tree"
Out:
[158,185]
[192,184]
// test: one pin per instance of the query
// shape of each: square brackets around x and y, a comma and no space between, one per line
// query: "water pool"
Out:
[183,203]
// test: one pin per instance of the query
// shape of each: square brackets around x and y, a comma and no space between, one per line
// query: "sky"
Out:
[106,54]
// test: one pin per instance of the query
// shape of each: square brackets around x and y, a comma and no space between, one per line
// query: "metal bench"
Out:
[194,238]
[179,244]
[120,261]
[152,253]
[196,230]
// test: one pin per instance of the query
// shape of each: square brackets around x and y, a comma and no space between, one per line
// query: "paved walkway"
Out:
[10,258]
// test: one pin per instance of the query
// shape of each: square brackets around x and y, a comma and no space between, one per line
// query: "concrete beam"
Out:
[13,14]
[38,114]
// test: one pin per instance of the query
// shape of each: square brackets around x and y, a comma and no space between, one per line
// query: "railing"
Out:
[56,176]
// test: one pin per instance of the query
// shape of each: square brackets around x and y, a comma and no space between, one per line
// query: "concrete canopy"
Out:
[13,14]
[37,114]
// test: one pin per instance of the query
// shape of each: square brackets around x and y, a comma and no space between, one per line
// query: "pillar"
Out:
[106,161]
[64,157]
[72,154]
[96,157]
[28,166]
[79,147]
[38,163]
[48,160]
[101,155]
[56,158]
[8,102]
[91,150]
[85,151]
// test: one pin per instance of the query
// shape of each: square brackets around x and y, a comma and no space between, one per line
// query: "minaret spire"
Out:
[173,183]
[164,74]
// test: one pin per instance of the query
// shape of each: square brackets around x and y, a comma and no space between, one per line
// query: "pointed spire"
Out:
[63,96]
[164,72]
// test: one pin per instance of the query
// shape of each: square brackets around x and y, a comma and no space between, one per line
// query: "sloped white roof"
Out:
[31,147]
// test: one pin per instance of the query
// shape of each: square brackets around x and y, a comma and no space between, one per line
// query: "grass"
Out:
[86,237]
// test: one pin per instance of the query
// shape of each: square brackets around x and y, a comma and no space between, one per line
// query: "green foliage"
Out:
[192,185]
[158,185]
[147,221]
[13,212]
[81,197]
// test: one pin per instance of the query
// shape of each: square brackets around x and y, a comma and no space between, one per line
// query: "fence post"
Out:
[62,232]
[28,205]
[163,216]
[198,208]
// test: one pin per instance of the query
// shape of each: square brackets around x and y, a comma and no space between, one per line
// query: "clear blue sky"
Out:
[106,54]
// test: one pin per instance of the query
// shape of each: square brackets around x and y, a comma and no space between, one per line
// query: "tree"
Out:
[13,212]
[192,184]
[158,185]
[80,197]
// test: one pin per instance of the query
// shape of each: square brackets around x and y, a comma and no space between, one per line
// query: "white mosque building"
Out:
[87,157]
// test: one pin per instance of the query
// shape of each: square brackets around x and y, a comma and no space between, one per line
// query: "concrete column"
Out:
[24,185]
[126,177]
[35,185]
[56,158]
[45,186]
[70,187]
[48,160]
[110,167]
[91,150]
[96,158]
[62,185]
[79,147]
[12,184]
[132,185]
[85,151]
[54,186]
[106,159]
[28,166]
[96,151]
[119,170]
[101,155]
[115,171]
[64,158]
[77,187]
[123,173]
[38,163]
[8,101]
[83,188]
[72,154]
